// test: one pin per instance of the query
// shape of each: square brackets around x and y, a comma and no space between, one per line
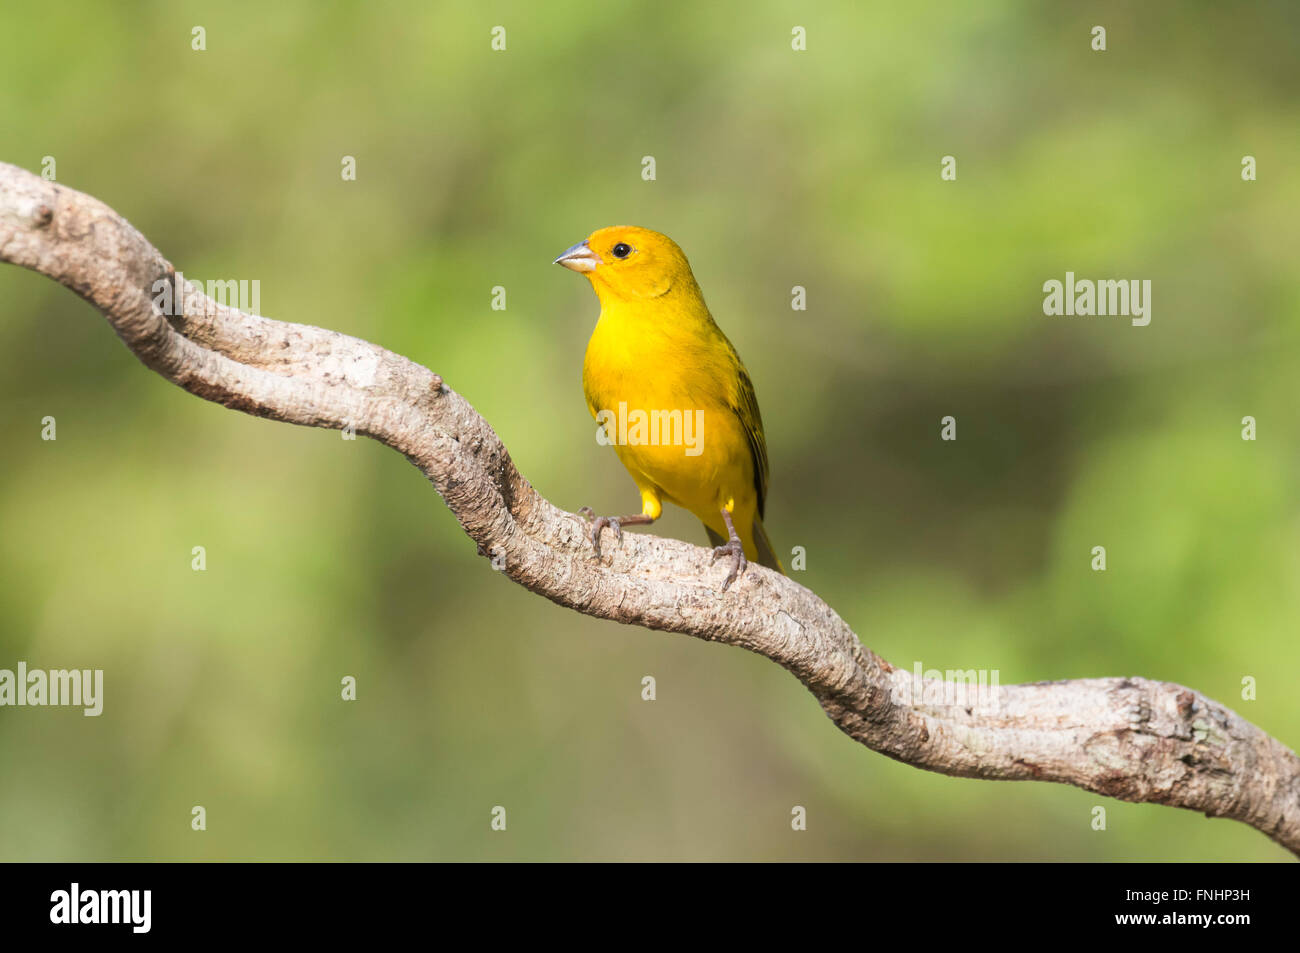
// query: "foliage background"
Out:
[775,168]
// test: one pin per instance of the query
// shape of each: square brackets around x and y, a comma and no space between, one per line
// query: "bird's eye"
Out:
[622,250]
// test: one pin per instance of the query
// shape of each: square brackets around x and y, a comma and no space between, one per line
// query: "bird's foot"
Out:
[736,551]
[600,522]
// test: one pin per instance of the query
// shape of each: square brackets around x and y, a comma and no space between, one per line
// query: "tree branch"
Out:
[1127,738]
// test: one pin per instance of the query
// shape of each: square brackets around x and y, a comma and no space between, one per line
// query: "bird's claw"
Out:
[600,522]
[736,551]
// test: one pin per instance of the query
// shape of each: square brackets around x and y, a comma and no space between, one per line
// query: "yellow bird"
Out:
[671,395]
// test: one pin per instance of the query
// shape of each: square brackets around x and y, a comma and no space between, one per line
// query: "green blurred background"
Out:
[775,168]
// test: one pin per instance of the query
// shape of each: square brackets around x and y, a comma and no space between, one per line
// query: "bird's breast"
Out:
[661,395]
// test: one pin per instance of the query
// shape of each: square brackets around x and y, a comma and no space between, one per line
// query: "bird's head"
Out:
[624,262]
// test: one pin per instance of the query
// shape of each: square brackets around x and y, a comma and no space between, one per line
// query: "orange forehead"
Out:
[639,238]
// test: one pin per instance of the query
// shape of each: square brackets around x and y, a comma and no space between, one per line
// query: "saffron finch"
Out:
[672,395]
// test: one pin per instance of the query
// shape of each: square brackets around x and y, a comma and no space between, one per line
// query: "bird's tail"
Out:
[766,554]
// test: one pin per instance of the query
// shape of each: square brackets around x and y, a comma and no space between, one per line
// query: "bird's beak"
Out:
[579,258]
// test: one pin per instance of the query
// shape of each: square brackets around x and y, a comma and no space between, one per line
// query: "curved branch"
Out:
[1130,738]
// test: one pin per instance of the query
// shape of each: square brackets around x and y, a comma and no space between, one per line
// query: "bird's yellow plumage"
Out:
[658,358]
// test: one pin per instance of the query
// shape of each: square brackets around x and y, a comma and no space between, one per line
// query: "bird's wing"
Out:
[746,408]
